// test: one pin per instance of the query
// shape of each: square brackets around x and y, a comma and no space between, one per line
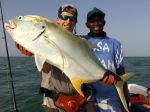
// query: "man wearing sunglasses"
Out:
[67,17]
[54,81]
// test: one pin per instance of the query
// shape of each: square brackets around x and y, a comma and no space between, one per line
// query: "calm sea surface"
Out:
[27,81]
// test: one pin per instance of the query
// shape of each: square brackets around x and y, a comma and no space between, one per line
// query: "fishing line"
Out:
[14,105]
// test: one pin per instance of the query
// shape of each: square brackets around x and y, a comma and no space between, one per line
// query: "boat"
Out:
[139,98]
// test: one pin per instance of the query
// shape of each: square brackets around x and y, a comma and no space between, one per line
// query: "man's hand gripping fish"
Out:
[49,42]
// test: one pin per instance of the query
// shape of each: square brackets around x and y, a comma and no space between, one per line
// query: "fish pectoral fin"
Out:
[39,61]
[77,85]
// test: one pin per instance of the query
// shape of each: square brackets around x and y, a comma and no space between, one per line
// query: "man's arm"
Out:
[46,67]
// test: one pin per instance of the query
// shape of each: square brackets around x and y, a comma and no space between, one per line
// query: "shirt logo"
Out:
[102,47]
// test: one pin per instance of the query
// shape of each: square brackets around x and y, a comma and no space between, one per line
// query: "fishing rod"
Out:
[13,107]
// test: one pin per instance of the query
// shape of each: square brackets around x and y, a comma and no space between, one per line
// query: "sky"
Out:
[126,20]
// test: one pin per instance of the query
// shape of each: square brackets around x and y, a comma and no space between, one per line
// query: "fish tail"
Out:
[119,87]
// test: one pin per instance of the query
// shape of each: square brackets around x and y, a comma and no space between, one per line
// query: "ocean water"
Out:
[27,80]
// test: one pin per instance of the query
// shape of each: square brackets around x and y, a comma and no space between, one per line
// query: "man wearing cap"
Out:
[110,56]
[53,80]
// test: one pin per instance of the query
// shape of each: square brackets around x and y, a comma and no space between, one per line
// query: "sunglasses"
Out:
[64,17]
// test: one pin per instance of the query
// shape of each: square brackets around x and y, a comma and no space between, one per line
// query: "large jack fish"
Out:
[49,42]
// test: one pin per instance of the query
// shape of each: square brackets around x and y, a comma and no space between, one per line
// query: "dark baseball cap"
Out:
[68,8]
[95,11]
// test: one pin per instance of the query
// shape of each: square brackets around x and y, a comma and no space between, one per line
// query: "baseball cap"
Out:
[95,11]
[68,8]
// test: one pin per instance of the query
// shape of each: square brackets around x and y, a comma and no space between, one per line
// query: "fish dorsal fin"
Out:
[39,61]
[90,44]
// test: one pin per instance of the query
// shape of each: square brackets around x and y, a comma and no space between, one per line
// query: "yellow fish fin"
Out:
[77,84]
[119,87]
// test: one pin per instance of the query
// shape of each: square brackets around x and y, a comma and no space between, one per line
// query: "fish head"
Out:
[26,29]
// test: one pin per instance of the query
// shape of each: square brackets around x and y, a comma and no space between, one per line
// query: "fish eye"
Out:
[43,26]
[20,17]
